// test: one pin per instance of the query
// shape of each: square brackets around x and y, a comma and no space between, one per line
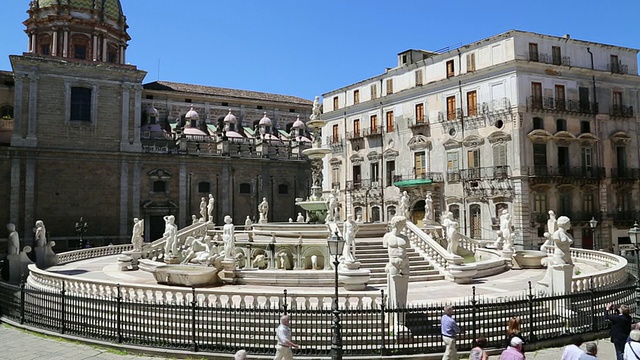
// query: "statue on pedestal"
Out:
[452,232]
[552,226]
[13,246]
[506,227]
[136,238]
[403,205]
[397,268]
[300,218]
[428,209]
[562,241]
[40,234]
[210,207]
[263,209]
[170,234]
[203,209]
[349,230]
[228,238]
[332,206]
[315,110]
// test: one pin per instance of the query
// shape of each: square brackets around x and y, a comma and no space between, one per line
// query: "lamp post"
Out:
[81,229]
[593,223]
[336,245]
[633,235]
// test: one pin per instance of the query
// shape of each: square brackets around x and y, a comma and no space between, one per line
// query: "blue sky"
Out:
[306,48]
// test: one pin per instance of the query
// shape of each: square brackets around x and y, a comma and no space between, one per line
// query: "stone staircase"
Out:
[374,257]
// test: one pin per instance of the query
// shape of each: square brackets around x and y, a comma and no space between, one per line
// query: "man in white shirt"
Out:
[573,351]
[283,333]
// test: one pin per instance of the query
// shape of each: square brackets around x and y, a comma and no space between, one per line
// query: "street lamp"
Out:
[81,229]
[633,235]
[593,223]
[336,245]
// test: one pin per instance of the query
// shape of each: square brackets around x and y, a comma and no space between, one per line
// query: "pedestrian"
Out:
[632,347]
[283,334]
[478,353]
[241,355]
[591,353]
[573,351]
[620,327]
[514,350]
[513,330]
[449,329]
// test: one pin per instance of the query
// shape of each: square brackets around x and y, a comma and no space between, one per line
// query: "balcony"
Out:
[421,178]
[535,103]
[548,59]
[624,217]
[562,174]
[453,176]
[618,68]
[621,111]
[486,173]
[371,132]
[354,135]
[419,122]
[625,174]
[362,184]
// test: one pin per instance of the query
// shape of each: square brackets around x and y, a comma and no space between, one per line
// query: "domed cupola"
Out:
[230,122]
[90,30]
[298,127]
[192,118]
[265,124]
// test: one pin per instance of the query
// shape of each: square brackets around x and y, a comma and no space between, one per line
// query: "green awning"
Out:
[414,182]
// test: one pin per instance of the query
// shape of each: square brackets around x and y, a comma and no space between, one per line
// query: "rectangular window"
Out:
[418,77]
[390,121]
[473,158]
[538,123]
[80,104]
[451,108]
[561,125]
[588,203]
[583,95]
[560,99]
[450,69]
[419,162]
[587,158]
[45,49]
[500,155]
[471,62]
[373,123]
[540,155]
[564,203]
[335,133]
[621,157]
[335,175]
[540,203]
[585,127]
[536,95]
[375,174]
[356,127]
[453,171]
[617,98]
[389,86]
[391,171]
[419,113]
[475,221]
[556,55]
[356,97]
[357,175]
[80,52]
[374,91]
[335,102]
[472,103]
[112,56]
[533,52]
[615,64]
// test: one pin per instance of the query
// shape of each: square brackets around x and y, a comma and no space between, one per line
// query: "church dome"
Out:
[110,8]
[265,121]
[230,118]
[298,124]
[192,115]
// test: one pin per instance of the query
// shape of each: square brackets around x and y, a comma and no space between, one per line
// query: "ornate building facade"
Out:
[82,136]
[518,121]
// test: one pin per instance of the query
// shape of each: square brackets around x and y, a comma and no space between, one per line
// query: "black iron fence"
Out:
[198,324]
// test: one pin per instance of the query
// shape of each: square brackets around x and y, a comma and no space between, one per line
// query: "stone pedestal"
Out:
[561,277]
[397,287]
[352,277]
[228,273]
[463,274]
[45,256]
[128,260]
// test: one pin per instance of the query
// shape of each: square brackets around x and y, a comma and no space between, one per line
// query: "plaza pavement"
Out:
[19,344]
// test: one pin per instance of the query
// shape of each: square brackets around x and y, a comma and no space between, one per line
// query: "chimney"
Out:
[566,36]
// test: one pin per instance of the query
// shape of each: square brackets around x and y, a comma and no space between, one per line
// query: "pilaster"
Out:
[124,196]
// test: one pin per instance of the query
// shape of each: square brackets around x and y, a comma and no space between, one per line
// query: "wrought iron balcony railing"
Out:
[567,171]
[561,105]
[369,132]
[618,68]
[354,135]
[418,122]
[486,173]
[433,176]
[621,111]
[625,174]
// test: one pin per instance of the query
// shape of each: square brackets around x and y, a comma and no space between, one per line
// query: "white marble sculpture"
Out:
[332,206]
[13,245]
[171,236]
[552,226]
[506,226]
[40,234]
[228,237]
[562,241]
[248,224]
[314,262]
[203,209]
[397,268]
[452,231]
[428,209]
[136,237]
[263,209]
[210,207]
[349,230]
[499,243]
[194,219]
[315,111]
[403,205]
[198,252]
[284,263]
[300,218]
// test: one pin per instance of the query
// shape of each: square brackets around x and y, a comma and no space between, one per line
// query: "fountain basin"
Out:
[529,259]
[186,275]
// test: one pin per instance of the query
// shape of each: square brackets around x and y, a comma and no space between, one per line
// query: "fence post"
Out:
[593,304]
[63,308]
[193,318]
[532,327]
[284,302]
[383,331]
[118,313]
[22,296]
[473,313]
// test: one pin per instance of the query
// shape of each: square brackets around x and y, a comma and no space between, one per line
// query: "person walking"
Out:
[620,327]
[449,329]
[632,347]
[573,351]
[514,350]
[283,334]
[591,353]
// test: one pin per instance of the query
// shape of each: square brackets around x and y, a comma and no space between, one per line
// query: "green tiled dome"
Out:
[111,8]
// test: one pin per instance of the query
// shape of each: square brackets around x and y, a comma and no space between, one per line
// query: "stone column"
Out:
[105,52]
[65,43]
[14,207]
[29,199]
[33,110]
[124,125]
[137,118]
[124,197]
[95,47]
[54,50]
[16,137]
[122,57]
[33,43]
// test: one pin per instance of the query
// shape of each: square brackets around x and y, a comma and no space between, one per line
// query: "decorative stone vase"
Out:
[352,277]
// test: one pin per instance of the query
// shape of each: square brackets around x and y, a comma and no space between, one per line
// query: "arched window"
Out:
[391,212]
[6,112]
[475,221]
[538,123]
[455,210]
[561,125]
[375,214]
[204,187]
[358,212]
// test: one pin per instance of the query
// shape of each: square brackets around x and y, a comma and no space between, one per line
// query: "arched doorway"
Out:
[417,214]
